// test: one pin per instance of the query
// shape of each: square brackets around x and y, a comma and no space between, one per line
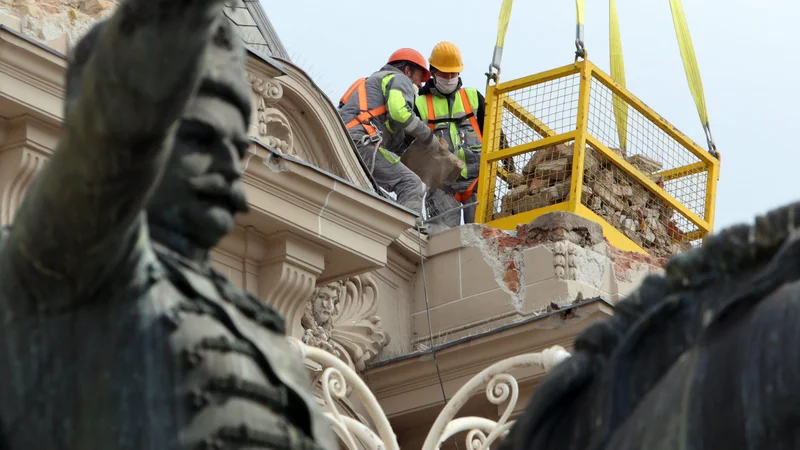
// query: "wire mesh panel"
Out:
[534,178]
[544,180]
[650,148]
[639,214]
[646,180]
[534,112]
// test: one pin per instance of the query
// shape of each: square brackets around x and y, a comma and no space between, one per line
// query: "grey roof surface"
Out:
[254,27]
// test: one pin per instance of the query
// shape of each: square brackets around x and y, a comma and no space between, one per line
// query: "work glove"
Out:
[443,144]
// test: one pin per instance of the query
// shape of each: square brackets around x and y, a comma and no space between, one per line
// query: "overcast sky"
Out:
[747,54]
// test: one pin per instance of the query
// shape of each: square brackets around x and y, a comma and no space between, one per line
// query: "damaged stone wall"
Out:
[578,248]
[643,217]
[480,278]
[57,23]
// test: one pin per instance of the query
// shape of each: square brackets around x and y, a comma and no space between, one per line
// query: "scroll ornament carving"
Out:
[268,91]
[273,126]
[501,388]
[341,319]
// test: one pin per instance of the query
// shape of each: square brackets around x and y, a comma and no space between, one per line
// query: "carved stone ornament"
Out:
[273,126]
[564,261]
[269,91]
[340,318]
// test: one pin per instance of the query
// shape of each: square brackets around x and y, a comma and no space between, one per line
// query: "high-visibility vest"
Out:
[365,114]
[458,126]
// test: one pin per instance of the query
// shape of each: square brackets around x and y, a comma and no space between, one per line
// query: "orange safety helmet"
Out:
[411,55]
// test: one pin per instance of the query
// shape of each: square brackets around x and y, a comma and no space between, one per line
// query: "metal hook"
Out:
[579,44]
[493,73]
[712,147]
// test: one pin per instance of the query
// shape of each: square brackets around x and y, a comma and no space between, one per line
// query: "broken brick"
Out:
[645,164]
[537,184]
[547,154]
[608,197]
[554,170]
[517,193]
[515,179]
[511,280]
[531,202]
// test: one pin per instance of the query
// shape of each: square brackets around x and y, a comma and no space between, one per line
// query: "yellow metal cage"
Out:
[571,139]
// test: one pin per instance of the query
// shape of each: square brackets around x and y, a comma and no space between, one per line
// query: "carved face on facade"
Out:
[324,305]
[202,191]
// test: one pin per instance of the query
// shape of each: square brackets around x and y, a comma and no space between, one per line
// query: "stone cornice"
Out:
[289,194]
[409,243]
[32,76]
[263,65]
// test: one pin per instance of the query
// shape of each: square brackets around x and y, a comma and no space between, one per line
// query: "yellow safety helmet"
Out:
[446,57]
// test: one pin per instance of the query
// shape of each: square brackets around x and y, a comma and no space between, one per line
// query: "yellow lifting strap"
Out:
[502,27]
[579,44]
[617,74]
[692,71]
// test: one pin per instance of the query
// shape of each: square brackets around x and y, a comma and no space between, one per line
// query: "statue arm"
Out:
[128,82]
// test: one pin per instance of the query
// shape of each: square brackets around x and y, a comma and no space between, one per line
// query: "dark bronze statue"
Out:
[701,358]
[115,333]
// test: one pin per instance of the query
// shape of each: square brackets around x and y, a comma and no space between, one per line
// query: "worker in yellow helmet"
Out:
[456,114]
[379,115]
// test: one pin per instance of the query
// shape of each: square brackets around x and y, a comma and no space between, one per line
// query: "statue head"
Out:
[324,304]
[201,190]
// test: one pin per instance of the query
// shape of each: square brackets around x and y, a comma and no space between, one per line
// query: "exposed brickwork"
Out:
[511,277]
[627,263]
[505,248]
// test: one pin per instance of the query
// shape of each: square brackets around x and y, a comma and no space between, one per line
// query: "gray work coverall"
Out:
[392,88]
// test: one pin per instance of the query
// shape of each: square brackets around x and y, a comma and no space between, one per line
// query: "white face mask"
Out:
[446,85]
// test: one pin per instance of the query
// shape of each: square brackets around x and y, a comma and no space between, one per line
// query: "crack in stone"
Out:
[502,251]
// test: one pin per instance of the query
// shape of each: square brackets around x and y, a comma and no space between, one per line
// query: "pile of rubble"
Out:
[608,191]
[545,180]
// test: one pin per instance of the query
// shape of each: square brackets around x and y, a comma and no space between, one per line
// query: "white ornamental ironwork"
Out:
[338,379]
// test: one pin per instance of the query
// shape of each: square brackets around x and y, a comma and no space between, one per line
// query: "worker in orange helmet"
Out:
[456,114]
[378,112]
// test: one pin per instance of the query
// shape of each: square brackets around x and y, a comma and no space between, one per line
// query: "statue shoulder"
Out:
[207,283]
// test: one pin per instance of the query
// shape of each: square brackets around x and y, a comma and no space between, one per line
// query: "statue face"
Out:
[325,304]
[201,190]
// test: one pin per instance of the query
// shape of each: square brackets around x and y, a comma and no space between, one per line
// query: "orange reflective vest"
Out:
[461,197]
[365,115]
[468,111]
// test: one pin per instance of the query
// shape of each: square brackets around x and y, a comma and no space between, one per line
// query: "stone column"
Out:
[288,275]
[25,146]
